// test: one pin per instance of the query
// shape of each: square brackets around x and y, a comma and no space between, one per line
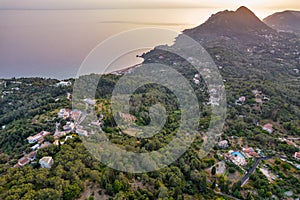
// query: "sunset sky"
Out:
[93,4]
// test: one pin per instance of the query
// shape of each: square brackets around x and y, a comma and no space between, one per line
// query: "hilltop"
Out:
[286,21]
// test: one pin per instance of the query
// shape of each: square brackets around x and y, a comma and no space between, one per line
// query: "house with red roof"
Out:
[268,127]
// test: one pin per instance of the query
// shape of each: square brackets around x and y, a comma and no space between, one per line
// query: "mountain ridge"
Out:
[285,21]
[241,23]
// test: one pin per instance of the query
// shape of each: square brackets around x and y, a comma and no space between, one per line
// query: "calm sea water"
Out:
[54,43]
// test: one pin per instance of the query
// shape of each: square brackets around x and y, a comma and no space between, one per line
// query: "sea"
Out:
[55,43]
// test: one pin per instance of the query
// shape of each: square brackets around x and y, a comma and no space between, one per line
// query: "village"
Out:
[70,129]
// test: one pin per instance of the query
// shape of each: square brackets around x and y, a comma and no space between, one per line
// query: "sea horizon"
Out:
[52,43]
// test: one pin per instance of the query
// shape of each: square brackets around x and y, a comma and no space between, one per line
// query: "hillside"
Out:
[286,21]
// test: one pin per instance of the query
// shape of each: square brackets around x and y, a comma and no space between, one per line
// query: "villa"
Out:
[223,144]
[23,161]
[60,134]
[46,162]
[69,126]
[75,115]
[90,102]
[44,145]
[249,152]
[297,155]
[32,155]
[38,137]
[63,113]
[237,158]
[34,139]
[26,159]
[35,147]
[64,83]
[268,127]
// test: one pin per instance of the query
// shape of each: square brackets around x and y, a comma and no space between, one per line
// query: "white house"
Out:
[46,162]
[64,83]
[223,144]
[35,147]
[90,102]
[34,139]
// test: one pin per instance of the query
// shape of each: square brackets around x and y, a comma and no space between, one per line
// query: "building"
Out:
[32,155]
[268,127]
[214,101]
[75,115]
[23,161]
[45,144]
[249,152]
[46,162]
[60,134]
[69,126]
[196,81]
[237,158]
[223,144]
[90,102]
[56,142]
[33,139]
[297,155]
[35,147]
[242,99]
[81,132]
[37,137]
[63,113]
[96,123]
[64,83]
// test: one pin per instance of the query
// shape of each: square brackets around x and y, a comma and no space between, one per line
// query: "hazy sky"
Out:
[95,4]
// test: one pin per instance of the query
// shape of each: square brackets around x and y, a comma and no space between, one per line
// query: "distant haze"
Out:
[53,43]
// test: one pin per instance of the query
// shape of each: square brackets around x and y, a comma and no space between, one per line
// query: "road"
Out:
[252,170]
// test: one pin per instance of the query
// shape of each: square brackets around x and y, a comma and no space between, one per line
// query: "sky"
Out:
[116,4]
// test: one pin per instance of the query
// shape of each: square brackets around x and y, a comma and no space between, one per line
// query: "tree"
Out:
[117,186]
[213,170]
[71,191]
[163,192]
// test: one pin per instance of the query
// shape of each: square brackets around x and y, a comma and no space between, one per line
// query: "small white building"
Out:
[223,144]
[90,102]
[35,147]
[46,162]
[242,99]
[64,83]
